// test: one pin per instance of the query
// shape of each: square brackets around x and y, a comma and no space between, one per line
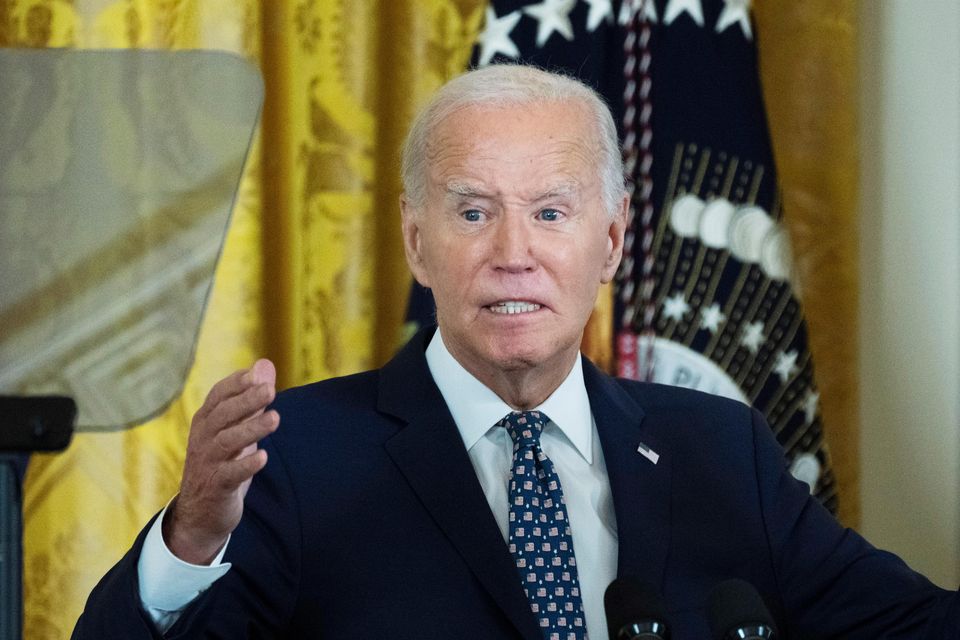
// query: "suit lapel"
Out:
[640,487]
[430,454]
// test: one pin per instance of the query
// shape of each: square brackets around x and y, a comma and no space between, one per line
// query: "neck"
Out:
[522,386]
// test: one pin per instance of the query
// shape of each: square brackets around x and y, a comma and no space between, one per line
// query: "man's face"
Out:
[513,237]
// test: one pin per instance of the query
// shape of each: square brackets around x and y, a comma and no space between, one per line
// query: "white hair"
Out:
[501,85]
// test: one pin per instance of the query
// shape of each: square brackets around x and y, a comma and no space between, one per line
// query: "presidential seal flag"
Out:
[706,297]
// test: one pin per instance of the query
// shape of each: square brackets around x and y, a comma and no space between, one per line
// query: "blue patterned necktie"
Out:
[540,539]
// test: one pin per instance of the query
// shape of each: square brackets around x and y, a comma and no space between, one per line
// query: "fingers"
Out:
[239,407]
[231,420]
[235,439]
[262,372]
[224,389]
[236,472]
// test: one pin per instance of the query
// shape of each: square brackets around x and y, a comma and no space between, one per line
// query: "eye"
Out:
[549,215]
[472,215]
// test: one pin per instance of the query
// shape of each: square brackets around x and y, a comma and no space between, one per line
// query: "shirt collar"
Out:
[476,408]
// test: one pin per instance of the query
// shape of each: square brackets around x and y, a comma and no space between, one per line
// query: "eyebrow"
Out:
[465,190]
[565,188]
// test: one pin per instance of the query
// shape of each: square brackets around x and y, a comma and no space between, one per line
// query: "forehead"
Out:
[515,148]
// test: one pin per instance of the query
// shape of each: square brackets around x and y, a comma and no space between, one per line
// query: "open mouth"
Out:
[513,306]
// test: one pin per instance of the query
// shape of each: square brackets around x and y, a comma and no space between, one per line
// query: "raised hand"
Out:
[222,458]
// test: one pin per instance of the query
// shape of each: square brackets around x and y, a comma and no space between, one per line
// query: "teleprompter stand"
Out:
[42,423]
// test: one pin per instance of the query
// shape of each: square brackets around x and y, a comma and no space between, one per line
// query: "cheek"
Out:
[585,273]
[447,267]
[587,260]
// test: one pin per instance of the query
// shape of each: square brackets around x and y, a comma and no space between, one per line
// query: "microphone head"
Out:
[634,610]
[738,611]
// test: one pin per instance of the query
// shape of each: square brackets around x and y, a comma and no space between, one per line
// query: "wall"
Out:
[910,279]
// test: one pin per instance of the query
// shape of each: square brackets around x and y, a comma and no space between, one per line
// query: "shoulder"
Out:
[331,413]
[662,400]
[652,399]
[694,421]
[341,393]
[720,442]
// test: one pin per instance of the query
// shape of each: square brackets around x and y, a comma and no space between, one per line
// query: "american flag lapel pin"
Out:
[648,453]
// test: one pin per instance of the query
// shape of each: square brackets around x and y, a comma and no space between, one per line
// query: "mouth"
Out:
[510,307]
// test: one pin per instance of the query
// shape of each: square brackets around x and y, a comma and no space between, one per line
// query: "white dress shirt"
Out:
[570,440]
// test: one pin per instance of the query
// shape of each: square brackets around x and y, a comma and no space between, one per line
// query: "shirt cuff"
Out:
[167,583]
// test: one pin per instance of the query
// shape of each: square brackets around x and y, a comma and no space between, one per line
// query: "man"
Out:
[488,482]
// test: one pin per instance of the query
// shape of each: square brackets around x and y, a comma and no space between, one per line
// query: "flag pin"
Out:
[648,453]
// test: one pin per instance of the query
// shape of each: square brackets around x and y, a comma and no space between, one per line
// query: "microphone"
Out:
[737,612]
[634,611]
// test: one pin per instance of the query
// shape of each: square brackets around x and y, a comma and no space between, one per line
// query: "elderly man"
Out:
[489,482]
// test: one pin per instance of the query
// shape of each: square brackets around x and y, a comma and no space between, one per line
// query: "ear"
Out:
[412,238]
[618,226]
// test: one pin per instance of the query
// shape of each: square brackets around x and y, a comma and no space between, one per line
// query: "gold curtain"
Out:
[808,67]
[312,273]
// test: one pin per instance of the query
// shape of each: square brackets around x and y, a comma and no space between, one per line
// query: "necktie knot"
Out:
[525,427]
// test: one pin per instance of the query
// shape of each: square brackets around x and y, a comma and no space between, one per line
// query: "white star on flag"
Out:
[752,337]
[786,365]
[599,9]
[496,36]
[553,15]
[810,404]
[676,7]
[675,307]
[736,12]
[628,9]
[711,317]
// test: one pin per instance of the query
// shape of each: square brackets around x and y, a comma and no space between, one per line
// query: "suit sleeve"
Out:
[113,609]
[832,582]
[255,599]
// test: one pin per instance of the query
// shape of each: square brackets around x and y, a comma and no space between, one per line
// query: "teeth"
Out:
[513,307]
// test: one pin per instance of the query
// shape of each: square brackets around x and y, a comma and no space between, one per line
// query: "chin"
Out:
[511,355]
[517,362]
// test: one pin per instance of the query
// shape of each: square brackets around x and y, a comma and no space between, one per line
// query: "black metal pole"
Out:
[11,551]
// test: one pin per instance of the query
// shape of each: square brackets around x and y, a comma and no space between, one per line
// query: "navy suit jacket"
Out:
[369,522]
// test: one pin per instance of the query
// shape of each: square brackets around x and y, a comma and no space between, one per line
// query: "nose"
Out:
[514,244]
